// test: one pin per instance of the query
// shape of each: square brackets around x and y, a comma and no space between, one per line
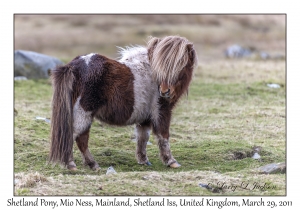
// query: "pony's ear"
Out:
[192,54]
[152,41]
[151,44]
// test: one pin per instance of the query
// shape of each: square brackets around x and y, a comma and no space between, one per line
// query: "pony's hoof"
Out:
[73,168]
[97,168]
[175,165]
[146,164]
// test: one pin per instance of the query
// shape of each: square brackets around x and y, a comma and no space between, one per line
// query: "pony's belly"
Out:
[111,118]
[122,113]
[116,112]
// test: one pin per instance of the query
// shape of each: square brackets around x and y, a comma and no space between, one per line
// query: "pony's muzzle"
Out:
[165,94]
[164,90]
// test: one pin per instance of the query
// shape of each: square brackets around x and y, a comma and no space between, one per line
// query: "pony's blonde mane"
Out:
[168,56]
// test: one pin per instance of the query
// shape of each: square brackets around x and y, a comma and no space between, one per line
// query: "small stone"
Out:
[43,118]
[100,188]
[205,186]
[273,85]
[110,170]
[273,168]
[256,156]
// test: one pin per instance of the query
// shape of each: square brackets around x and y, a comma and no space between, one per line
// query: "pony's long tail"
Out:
[62,115]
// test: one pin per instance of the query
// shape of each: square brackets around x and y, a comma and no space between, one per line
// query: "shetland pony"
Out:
[140,88]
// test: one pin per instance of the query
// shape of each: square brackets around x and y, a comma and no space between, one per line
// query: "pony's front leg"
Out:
[165,151]
[142,137]
[162,136]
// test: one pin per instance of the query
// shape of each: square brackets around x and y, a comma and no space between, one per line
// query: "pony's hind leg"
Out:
[71,165]
[81,127]
[82,143]
[142,137]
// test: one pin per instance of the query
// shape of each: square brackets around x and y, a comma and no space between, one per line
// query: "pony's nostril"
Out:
[165,94]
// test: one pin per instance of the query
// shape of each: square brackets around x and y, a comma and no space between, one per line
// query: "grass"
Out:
[219,121]
[229,109]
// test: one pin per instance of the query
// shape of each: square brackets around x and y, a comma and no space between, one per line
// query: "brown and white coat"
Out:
[141,88]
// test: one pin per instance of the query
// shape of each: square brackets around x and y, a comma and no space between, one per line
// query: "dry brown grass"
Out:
[66,36]
[152,184]
[242,71]
[25,180]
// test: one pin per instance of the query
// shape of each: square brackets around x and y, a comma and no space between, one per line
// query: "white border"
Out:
[253,6]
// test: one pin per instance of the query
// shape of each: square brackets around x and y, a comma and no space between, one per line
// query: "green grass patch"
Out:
[212,135]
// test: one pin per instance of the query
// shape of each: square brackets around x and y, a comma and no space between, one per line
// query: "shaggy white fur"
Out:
[82,120]
[145,88]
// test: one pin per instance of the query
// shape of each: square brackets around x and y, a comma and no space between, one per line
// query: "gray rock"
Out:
[272,168]
[34,65]
[236,51]
[19,78]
